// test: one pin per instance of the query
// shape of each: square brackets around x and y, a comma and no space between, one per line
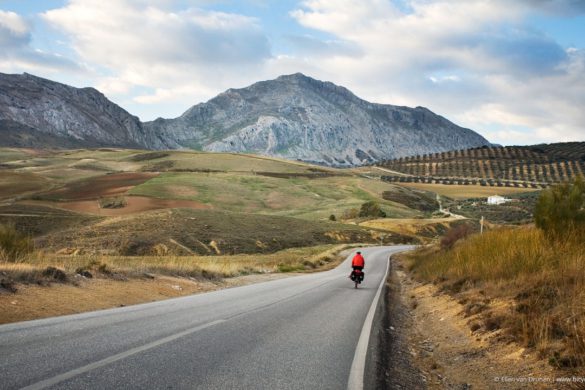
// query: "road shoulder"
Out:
[430,337]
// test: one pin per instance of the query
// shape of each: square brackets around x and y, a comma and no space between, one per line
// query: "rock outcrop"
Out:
[38,112]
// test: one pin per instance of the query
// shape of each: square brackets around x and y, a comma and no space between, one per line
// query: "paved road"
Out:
[294,333]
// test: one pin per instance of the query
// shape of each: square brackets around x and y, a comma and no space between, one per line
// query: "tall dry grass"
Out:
[543,280]
[14,246]
[208,267]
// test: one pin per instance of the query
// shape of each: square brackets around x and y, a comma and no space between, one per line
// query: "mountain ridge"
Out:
[293,116]
[298,117]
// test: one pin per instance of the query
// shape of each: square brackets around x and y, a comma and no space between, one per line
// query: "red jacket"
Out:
[358,261]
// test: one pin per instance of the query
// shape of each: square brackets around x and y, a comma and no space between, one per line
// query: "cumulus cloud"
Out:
[479,63]
[148,44]
[306,45]
[16,54]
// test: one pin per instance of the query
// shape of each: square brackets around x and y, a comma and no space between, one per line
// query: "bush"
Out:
[455,234]
[332,217]
[560,211]
[117,202]
[350,214]
[55,273]
[13,244]
[371,209]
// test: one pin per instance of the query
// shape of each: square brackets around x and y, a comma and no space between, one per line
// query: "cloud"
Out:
[149,44]
[479,63]
[310,46]
[16,53]
[14,31]
[558,7]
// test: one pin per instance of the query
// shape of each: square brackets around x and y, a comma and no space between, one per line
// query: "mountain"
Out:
[297,117]
[36,112]
[294,117]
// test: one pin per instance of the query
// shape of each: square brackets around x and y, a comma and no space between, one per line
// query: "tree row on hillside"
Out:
[463,181]
[539,164]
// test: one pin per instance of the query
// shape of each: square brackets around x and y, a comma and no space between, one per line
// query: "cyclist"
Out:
[357,263]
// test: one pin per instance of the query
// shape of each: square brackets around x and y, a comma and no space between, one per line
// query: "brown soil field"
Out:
[134,204]
[16,183]
[101,186]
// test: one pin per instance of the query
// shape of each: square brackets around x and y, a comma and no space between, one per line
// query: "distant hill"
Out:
[294,117]
[297,117]
[512,166]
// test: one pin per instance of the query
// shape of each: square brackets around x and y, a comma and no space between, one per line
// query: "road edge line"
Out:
[358,365]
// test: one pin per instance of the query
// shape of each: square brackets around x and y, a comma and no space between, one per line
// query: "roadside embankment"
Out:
[499,310]
[43,286]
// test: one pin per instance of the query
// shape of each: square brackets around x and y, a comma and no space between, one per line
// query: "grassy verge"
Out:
[41,268]
[518,284]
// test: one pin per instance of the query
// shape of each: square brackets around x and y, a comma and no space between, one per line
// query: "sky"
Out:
[512,70]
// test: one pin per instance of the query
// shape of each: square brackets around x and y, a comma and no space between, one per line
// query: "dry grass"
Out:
[207,267]
[85,283]
[543,282]
[407,226]
[466,192]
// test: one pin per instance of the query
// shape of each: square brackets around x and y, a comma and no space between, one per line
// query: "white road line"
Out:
[100,363]
[356,373]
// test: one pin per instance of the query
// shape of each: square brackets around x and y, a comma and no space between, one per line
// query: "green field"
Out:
[299,196]
[10,154]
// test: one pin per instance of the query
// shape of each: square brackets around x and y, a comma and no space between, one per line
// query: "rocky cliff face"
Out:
[297,117]
[34,110]
[294,117]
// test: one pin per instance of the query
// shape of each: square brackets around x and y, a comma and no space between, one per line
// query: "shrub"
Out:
[371,209]
[117,202]
[455,234]
[560,211]
[350,214]
[55,273]
[332,217]
[13,244]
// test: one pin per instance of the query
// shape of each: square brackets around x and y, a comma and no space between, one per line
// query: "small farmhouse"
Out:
[497,199]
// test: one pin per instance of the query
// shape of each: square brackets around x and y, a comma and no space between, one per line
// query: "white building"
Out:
[497,199]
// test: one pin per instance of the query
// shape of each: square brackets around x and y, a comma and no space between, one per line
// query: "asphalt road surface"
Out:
[304,332]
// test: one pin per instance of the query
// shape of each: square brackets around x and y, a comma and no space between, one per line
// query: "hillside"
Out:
[133,202]
[300,118]
[513,166]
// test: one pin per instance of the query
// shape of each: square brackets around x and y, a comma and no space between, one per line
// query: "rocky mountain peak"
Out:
[298,117]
